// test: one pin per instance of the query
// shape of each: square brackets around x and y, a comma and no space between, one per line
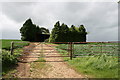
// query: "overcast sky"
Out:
[99,18]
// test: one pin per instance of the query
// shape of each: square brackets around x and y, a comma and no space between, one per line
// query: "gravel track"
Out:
[55,66]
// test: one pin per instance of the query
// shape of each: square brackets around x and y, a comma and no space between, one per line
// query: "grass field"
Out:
[7,43]
[95,66]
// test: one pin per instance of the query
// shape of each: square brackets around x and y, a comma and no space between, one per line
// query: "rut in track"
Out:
[23,69]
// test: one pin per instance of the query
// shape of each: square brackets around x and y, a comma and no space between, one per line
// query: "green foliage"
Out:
[29,31]
[44,30]
[55,32]
[7,58]
[62,33]
[38,30]
[8,61]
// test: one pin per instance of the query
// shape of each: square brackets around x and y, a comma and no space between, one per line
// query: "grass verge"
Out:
[38,68]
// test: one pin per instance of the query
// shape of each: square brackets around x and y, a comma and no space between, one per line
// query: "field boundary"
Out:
[70,48]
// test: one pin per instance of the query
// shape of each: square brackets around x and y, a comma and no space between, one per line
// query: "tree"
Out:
[82,33]
[55,33]
[59,33]
[62,33]
[44,30]
[82,29]
[31,32]
[73,28]
[28,31]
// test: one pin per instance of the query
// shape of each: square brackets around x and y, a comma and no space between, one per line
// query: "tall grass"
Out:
[95,66]
[101,66]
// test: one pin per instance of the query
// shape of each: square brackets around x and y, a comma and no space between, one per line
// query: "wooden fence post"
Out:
[12,48]
[73,55]
[70,50]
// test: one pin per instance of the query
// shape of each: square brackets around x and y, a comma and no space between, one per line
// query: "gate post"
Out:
[71,51]
[12,47]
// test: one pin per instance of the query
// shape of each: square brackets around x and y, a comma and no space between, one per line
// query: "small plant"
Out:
[7,58]
[40,60]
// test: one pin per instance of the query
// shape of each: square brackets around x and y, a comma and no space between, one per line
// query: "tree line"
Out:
[60,33]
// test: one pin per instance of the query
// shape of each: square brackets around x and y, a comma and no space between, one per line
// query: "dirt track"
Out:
[55,66]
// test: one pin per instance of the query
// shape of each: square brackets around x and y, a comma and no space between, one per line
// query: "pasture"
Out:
[6,43]
[98,60]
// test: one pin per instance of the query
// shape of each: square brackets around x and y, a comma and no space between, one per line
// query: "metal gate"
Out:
[73,49]
[49,49]
[45,50]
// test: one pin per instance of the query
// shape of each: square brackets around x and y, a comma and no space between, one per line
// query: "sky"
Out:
[99,18]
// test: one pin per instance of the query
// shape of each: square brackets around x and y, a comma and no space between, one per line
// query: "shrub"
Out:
[8,59]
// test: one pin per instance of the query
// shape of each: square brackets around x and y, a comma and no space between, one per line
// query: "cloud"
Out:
[59,0]
[99,18]
[10,29]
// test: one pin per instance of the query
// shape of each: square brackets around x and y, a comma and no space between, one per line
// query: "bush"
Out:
[8,59]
